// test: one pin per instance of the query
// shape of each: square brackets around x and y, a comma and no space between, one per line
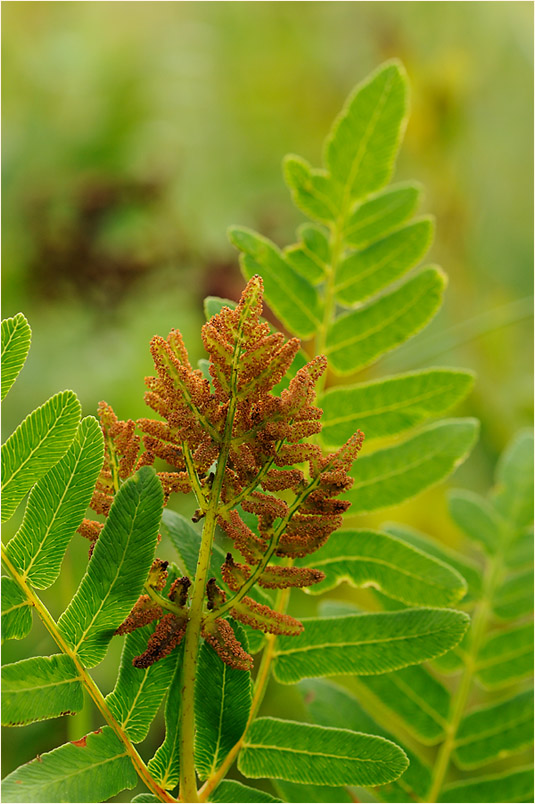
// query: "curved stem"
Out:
[95,693]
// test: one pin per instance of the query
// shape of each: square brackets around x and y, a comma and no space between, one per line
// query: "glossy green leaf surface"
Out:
[94,769]
[165,764]
[16,613]
[36,446]
[139,692]
[371,558]
[362,644]
[223,702]
[16,339]
[56,507]
[392,405]
[380,214]
[39,688]
[394,474]
[117,570]
[299,752]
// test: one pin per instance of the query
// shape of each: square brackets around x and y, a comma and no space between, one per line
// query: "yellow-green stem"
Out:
[479,626]
[87,681]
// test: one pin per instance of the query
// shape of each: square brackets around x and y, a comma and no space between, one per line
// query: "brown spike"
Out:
[144,612]
[283,577]
[221,638]
[178,592]
[168,634]
[249,612]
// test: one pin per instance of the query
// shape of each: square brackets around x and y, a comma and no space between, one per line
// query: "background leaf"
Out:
[16,613]
[165,764]
[232,791]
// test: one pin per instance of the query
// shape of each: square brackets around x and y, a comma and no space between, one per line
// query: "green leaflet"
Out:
[330,705]
[94,769]
[477,519]
[293,299]
[372,558]
[381,213]
[232,791]
[514,598]
[223,702]
[310,257]
[514,785]
[469,570]
[414,698]
[520,551]
[359,338]
[506,657]
[39,688]
[117,570]
[16,613]
[16,338]
[36,446]
[312,190]
[56,507]
[298,752]
[364,140]
[361,644]
[364,273]
[392,405]
[139,692]
[146,798]
[513,495]
[494,732]
[312,794]
[165,764]
[392,475]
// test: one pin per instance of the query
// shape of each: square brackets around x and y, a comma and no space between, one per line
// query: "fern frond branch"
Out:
[260,687]
[193,476]
[252,485]
[90,686]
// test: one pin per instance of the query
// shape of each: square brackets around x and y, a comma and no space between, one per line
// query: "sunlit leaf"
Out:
[16,338]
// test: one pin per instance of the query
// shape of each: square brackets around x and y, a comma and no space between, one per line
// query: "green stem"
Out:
[336,246]
[90,686]
[482,613]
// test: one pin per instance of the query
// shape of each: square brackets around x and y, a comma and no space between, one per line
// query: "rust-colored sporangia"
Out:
[277,496]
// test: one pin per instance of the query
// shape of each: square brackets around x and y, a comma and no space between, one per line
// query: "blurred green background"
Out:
[136,132]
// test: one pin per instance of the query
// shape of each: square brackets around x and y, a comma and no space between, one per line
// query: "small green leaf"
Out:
[92,769]
[364,273]
[390,406]
[311,256]
[513,496]
[506,657]
[478,520]
[312,190]
[330,705]
[118,568]
[414,698]
[312,794]
[362,644]
[232,791]
[36,446]
[371,558]
[298,752]
[494,732]
[514,598]
[138,691]
[362,146]
[39,688]
[382,213]
[392,475]
[359,338]
[56,507]
[516,785]
[16,338]
[223,701]
[16,613]
[291,297]
[469,570]
[165,764]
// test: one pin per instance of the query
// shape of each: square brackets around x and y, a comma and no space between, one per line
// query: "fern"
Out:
[269,452]
[475,704]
